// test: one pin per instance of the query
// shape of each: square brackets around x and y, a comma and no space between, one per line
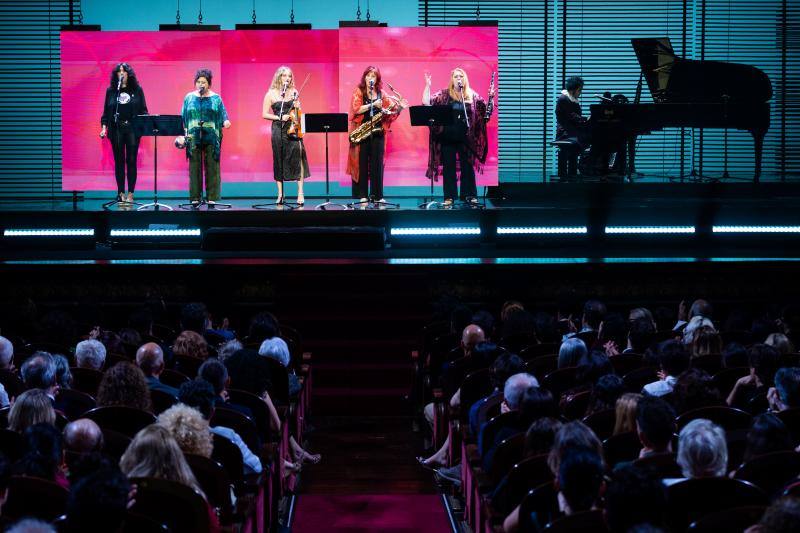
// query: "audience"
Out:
[227,349]
[655,425]
[783,516]
[44,456]
[83,436]
[763,361]
[124,384]
[625,412]
[673,359]
[90,354]
[694,389]
[786,392]
[580,480]
[39,372]
[605,393]
[63,375]
[572,350]
[277,350]
[634,497]
[98,502]
[150,359]
[540,436]
[190,344]
[32,407]
[215,373]
[702,450]
[189,429]
[780,342]
[706,341]
[767,434]
[6,354]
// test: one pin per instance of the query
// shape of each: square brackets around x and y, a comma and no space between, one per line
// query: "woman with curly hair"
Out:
[124,100]
[189,429]
[191,344]
[124,384]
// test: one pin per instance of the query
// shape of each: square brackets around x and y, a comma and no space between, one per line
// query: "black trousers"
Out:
[450,185]
[568,161]
[370,168]
[125,144]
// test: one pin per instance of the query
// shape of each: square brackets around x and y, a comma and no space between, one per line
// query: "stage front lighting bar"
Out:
[756,229]
[136,233]
[649,230]
[442,231]
[541,230]
[49,232]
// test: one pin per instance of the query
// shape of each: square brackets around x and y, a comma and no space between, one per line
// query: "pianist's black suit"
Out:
[571,126]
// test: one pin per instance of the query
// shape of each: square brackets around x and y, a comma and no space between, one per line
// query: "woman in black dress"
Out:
[289,161]
[124,100]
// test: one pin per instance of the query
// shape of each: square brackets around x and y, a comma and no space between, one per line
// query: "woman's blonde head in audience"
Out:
[626,413]
[32,407]
[191,344]
[189,428]
[155,453]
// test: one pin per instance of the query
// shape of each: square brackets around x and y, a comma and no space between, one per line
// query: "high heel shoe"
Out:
[301,200]
[130,198]
[279,201]
[121,197]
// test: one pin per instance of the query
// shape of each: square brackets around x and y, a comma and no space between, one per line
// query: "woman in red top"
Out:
[365,160]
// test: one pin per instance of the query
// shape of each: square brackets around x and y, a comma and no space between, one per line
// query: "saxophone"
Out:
[373,124]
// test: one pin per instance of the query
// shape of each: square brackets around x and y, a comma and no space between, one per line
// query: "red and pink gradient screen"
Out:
[243,63]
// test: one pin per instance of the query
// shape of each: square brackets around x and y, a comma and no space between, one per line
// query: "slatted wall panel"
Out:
[524,88]
[30,100]
[749,32]
[789,93]
[596,45]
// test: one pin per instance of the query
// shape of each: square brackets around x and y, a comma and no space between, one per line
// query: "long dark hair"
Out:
[378,83]
[133,82]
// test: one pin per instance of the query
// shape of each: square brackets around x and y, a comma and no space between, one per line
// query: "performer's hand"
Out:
[284,118]
[103,132]
[427,79]
[226,124]
[180,142]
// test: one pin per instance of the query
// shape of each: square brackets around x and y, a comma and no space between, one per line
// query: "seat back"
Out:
[626,362]
[12,445]
[36,497]
[772,471]
[86,380]
[115,358]
[126,420]
[173,378]
[541,365]
[691,499]
[560,380]
[726,378]
[489,409]
[240,423]
[258,407]
[476,385]
[536,350]
[574,406]
[736,519]
[664,465]
[161,400]
[214,481]
[506,455]
[136,523]
[180,508]
[602,423]
[74,402]
[523,476]
[229,456]
[115,443]
[729,418]
[711,363]
[188,365]
[278,386]
[541,501]
[621,447]
[12,383]
[791,417]
[494,425]
[635,380]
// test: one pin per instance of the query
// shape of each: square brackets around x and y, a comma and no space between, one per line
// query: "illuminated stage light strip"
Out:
[756,229]
[417,232]
[541,230]
[49,232]
[649,230]
[189,232]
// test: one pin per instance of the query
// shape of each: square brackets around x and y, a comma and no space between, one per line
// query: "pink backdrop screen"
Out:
[243,63]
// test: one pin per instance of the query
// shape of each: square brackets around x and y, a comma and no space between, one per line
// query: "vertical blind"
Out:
[30,96]
[591,38]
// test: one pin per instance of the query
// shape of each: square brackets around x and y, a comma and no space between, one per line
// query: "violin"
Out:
[297,120]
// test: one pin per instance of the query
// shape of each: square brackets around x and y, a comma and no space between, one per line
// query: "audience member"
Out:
[83,436]
[5,480]
[227,349]
[277,349]
[572,434]
[546,328]
[786,392]
[694,389]
[505,365]
[98,502]
[655,425]
[63,375]
[643,314]
[540,436]
[191,344]
[580,480]
[780,342]
[572,350]
[263,326]
[124,384]
[783,516]
[706,341]
[90,354]
[6,354]
[150,358]
[32,407]
[199,394]
[484,320]
[692,328]
[31,525]
[625,413]
[605,393]
[767,434]
[189,429]
[702,449]
[640,334]
[44,455]
[634,496]
[216,374]
[39,372]
[673,360]
[763,361]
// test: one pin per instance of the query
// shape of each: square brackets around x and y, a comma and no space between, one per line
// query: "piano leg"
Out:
[758,144]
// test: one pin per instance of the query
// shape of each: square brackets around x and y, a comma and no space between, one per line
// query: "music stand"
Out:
[327,123]
[157,126]
[431,115]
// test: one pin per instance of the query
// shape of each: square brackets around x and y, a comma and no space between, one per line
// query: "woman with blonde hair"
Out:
[31,407]
[191,344]
[189,429]
[154,452]
[626,413]
[289,160]
[465,139]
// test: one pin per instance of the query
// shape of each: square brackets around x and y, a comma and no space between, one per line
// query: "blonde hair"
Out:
[455,94]
[153,452]
[189,428]
[31,407]
[191,344]
[625,411]
[276,78]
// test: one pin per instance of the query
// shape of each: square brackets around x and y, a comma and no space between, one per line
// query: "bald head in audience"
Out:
[471,337]
[150,358]
[83,436]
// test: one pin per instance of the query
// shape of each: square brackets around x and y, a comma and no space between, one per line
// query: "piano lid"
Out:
[672,79]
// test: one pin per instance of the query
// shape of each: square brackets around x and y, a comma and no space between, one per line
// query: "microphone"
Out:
[460,85]
[202,90]
[603,98]
[119,81]
[371,83]
[283,90]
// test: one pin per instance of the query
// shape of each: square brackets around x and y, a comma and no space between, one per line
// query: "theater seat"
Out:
[737,519]
[729,418]
[586,521]
[36,497]
[691,499]
[771,472]
[75,403]
[179,507]
[126,420]
[161,401]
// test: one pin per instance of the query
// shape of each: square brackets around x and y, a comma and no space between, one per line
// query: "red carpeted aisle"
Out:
[421,513]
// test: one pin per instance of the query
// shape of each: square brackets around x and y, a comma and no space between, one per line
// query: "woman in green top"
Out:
[204,116]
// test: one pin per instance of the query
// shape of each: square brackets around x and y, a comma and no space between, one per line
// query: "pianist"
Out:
[572,127]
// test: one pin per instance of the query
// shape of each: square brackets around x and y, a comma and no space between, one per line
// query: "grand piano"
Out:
[687,94]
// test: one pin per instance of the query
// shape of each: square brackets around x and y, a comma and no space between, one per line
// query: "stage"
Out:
[536,222]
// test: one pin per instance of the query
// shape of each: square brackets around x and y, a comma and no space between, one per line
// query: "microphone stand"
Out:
[283,185]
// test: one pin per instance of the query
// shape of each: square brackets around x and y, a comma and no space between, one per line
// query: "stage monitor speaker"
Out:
[299,239]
